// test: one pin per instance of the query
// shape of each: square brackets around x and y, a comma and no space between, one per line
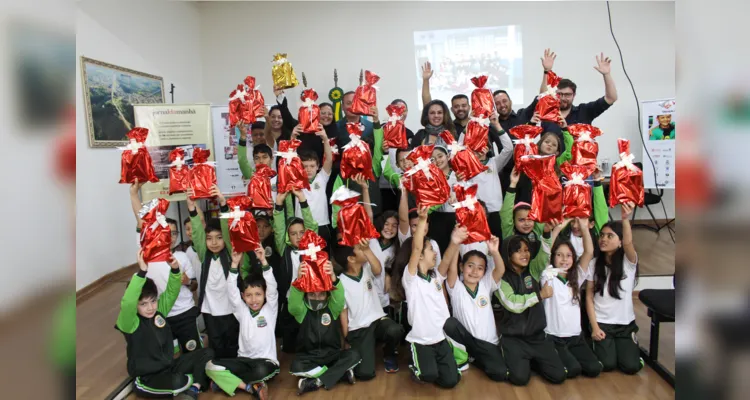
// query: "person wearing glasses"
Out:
[585,113]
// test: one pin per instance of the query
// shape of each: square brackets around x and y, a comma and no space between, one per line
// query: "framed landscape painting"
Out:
[109,94]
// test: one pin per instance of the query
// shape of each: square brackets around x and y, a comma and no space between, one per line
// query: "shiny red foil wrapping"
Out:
[353,222]
[525,143]
[137,164]
[482,102]
[365,95]
[394,131]
[255,107]
[585,149]
[309,112]
[477,135]
[548,105]
[626,181]
[356,157]
[470,213]
[577,202]
[316,280]
[243,231]
[425,180]
[237,100]
[202,175]
[291,173]
[259,188]
[462,159]
[156,236]
[546,195]
[179,172]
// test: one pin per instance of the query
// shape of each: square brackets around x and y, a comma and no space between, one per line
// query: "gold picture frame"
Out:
[109,93]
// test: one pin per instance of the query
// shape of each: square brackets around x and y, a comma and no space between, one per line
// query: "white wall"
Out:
[156,37]
[239,39]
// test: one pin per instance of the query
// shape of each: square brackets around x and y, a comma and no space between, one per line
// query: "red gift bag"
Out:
[462,159]
[525,142]
[156,236]
[255,106]
[626,182]
[309,112]
[577,201]
[425,180]
[394,131]
[470,213]
[546,196]
[316,280]
[482,102]
[548,105]
[291,173]
[179,172]
[243,231]
[202,175]
[364,96]
[353,222]
[237,100]
[585,149]
[356,158]
[259,188]
[136,162]
[477,133]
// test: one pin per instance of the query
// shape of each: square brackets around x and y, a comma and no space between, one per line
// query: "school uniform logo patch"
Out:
[369,284]
[191,345]
[325,319]
[159,321]
[438,286]
[268,251]
[482,302]
[316,186]
[527,282]
[262,322]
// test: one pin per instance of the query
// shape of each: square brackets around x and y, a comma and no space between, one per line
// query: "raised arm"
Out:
[600,209]
[417,243]
[279,224]
[364,184]
[506,154]
[245,167]
[286,115]
[452,276]
[393,177]
[334,208]
[603,65]
[539,263]
[375,265]
[403,213]
[506,211]
[566,155]
[199,232]
[127,319]
[588,245]
[627,233]
[169,297]
[135,202]
[548,62]
[307,218]
[338,299]
[494,247]
[426,75]
[233,292]
[458,236]
[327,151]
[377,152]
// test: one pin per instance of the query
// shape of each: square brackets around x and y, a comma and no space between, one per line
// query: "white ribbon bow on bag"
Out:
[423,165]
[526,141]
[355,142]
[551,272]
[287,155]
[481,120]
[236,215]
[160,220]
[454,148]
[311,251]
[308,103]
[279,61]
[335,149]
[585,136]
[239,95]
[576,179]
[178,162]
[133,146]
[626,160]
[469,202]
[393,119]
[551,91]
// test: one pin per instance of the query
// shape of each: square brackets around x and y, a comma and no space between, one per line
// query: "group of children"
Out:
[553,284]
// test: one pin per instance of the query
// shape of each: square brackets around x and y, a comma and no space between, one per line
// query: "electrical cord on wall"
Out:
[638,107]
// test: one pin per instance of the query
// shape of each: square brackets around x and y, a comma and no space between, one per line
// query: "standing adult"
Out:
[459,102]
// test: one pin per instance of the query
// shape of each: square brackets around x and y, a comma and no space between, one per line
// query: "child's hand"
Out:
[296,132]
[302,269]
[215,192]
[135,187]
[321,133]
[277,91]
[493,245]
[141,262]
[300,195]
[236,259]
[280,197]
[173,263]
[459,234]
[386,148]
[460,175]
[361,181]
[422,212]
[597,175]
[583,223]
[514,177]
[374,112]
[494,121]
[598,334]
[547,291]
[536,119]
[364,244]
[243,130]
[184,279]
[190,202]
[550,226]
[328,269]
[627,210]
[561,121]
[260,253]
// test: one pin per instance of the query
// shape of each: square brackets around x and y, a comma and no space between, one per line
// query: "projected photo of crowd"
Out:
[457,55]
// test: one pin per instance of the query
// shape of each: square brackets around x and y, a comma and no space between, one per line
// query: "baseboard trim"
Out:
[89,290]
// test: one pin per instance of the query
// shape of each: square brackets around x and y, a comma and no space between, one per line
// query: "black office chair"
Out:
[661,308]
